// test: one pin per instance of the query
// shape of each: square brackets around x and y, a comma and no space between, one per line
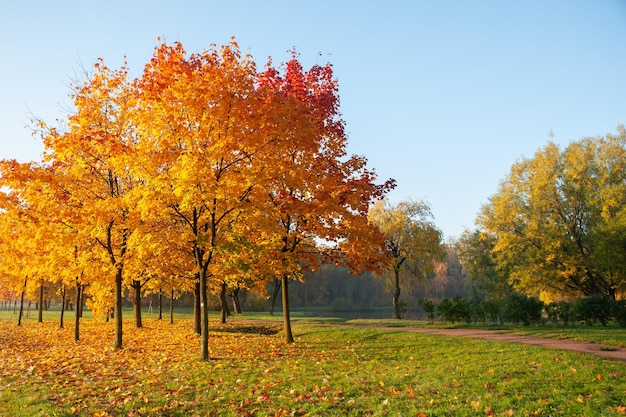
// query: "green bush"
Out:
[457,309]
[429,308]
[444,310]
[595,308]
[493,310]
[560,310]
[519,308]
[619,312]
[461,309]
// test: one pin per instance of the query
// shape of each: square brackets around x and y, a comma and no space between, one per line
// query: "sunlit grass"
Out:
[328,371]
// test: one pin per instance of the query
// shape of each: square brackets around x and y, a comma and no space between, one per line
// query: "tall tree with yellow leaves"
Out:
[94,154]
[200,136]
[413,242]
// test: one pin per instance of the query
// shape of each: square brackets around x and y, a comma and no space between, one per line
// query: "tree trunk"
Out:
[224,304]
[286,318]
[236,302]
[79,307]
[196,308]
[275,295]
[172,308]
[396,295]
[204,313]
[137,302]
[62,306]
[79,300]
[40,306]
[160,304]
[19,317]
[118,308]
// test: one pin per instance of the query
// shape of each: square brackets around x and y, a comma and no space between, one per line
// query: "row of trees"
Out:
[202,173]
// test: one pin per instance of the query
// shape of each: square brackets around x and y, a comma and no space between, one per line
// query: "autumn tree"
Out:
[413,243]
[557,218]
[317,196]
[200,136]
[93,153]
[476,255]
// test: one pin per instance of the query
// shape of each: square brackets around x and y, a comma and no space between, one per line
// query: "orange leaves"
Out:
[150,376]
[201,165]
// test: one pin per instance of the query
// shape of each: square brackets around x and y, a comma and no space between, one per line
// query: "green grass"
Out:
[611,335]
[352,371]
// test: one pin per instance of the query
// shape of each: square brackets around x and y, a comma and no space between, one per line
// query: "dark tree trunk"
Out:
[40,305]
[160,304]
[236,302]
[62,306]
[204,313]
[172,308]
[136,285]
[196,308]
[277,283]
[79,307]
[224,304]
[396,296]
[118,308]
[19,317]
[286,318]
[79,300]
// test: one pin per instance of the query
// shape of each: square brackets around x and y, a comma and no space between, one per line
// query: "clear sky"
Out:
[444,96]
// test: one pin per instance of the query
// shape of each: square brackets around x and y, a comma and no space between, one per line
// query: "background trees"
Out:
[413,243]
[557,219]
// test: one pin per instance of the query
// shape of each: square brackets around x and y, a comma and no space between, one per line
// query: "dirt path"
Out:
[611,352]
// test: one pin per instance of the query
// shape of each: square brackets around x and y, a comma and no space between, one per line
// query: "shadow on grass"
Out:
[250,329]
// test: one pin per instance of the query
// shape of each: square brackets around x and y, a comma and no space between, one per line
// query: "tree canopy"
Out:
[412,243]
[202,169]
[558,218]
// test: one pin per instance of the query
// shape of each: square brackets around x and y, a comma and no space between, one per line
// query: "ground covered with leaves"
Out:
[328,371]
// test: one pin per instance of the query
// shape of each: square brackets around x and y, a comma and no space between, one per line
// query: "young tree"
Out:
[200,135]
[413,243]
[94,154]
[317,198]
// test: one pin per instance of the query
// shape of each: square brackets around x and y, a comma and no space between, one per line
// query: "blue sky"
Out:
[444,96]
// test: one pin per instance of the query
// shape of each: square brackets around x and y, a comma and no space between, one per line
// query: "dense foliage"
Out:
[201,174]
[558,221]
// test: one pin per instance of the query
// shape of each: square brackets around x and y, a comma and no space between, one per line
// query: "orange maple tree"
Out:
[317,196]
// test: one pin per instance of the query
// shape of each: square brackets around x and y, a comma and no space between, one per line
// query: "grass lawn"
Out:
[347,371]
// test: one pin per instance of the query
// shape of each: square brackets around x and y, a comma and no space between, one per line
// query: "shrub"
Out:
[619,312]
[519,308]
[457,309]
[493,310]
[429,308]
[478,309]
[444,309]
[599,307]
[560,310]
[461,309]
